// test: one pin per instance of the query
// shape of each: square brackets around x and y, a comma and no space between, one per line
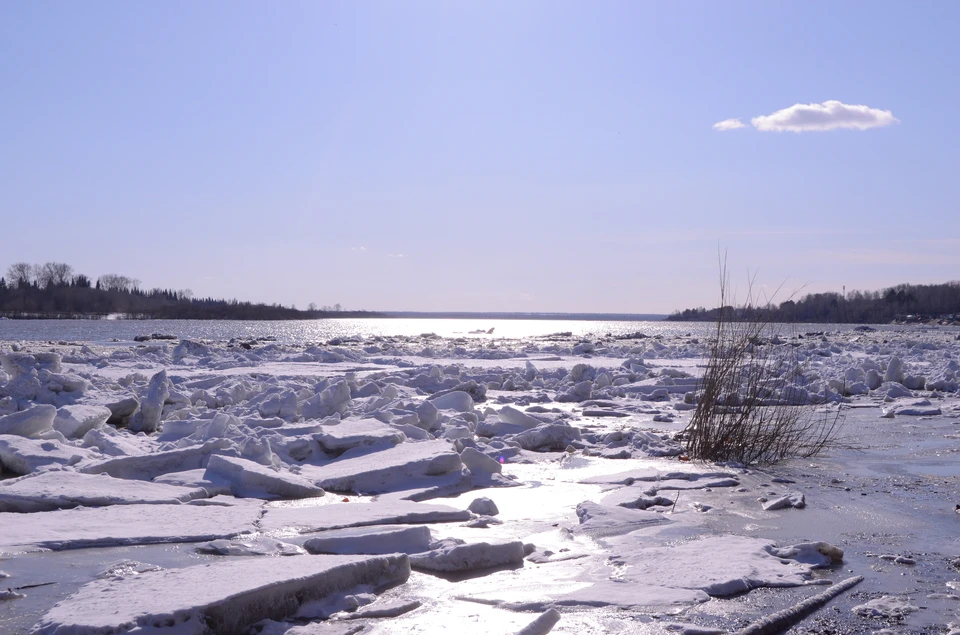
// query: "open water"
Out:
[317,331]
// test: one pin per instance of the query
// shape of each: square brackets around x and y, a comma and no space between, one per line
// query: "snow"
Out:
[225,597]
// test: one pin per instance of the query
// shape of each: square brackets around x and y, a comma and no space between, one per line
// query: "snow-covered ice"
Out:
[552,464]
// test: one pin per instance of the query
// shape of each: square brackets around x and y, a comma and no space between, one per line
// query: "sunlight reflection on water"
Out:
[315,331]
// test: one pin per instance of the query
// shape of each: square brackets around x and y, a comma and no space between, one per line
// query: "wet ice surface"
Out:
[250,451]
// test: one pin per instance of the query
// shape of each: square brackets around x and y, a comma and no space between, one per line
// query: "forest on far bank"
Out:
[54,290]
[904,303]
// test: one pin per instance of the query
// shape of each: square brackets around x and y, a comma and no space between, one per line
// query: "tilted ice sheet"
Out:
[341,515]
[64,489]
[125,525]
[225,597]
[386,470]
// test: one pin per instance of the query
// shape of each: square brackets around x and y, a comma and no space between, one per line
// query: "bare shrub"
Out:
[745,411]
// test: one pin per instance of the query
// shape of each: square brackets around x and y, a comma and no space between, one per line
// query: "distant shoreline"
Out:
[355,315]
[315,315]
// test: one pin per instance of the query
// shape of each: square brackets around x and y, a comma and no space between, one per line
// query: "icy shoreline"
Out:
[229,450]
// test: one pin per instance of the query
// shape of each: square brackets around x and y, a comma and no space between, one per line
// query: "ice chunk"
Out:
[75,421]
[59,490]
[22,456]
[252,480]
[223,597]
[479,463]
[332,400]
[483,506]
[215,486]
[894,372]
[253,547]
[717,565]
[543,624]
[816,554]
[342,515]
[121,411]
[429,415]
[147,467]
[387,470]
[372,540]
[652,475]
[151,408]
[352,433]
[30,423]
[797,501]
[456,400]
[603,520]
[479,555]
[886,607]
[550,436]
[511,415]
[16,363]
[124,525]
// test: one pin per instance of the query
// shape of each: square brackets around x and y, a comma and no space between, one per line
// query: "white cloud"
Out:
[396,255]
[358,249]
[728,124]
[829,115]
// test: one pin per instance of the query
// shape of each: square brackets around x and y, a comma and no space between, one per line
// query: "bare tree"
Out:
[117,282]
[312,306]
[20,274]
[54,274]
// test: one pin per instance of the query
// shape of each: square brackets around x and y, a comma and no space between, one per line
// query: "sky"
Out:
[495,156]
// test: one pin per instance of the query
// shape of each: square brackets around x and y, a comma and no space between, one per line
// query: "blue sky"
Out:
[534,156]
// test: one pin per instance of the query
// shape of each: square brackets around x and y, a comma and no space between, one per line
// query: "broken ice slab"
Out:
[470,557]
[224,597]
[653,474]
[252,480]
[340,515]
[147,467]
[387,470]
[64,489]
[125,525]
[717,565]
[20,455]
[372,540]
[598,520]
[351,433]
[261,546]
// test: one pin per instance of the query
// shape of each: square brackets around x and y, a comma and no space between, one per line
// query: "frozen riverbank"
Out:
[189,456]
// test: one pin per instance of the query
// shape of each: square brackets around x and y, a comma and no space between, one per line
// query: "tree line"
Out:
[901,303]
[54,290]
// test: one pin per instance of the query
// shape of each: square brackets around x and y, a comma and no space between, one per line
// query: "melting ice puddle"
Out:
[72,569]
[934,469]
